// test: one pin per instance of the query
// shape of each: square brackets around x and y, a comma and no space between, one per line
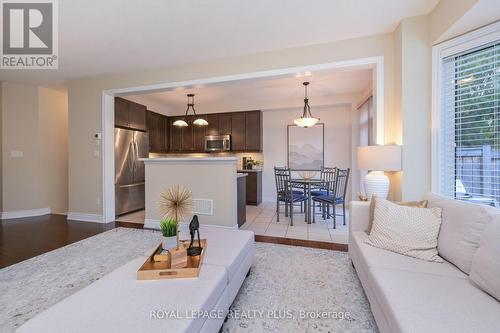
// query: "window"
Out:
[469,124]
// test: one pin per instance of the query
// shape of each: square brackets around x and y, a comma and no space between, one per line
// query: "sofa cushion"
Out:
[219,240]
[407,230]
[421,302]
[119,302]
[461,229]
[373,257]
[485,269]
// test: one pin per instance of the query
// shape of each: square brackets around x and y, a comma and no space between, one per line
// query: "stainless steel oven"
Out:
[217,142]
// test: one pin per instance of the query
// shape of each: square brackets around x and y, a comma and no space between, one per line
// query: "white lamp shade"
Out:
[306,122]
[180,123]
[379,158]
[200,122]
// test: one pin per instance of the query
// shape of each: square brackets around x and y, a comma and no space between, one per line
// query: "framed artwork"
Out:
[306,147]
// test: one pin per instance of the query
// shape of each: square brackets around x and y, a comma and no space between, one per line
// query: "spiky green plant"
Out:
[168,227]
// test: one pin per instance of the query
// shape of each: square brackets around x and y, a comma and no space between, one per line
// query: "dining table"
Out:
[306,184]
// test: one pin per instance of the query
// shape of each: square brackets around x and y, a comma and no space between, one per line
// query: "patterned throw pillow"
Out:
[409,231]
[373,201]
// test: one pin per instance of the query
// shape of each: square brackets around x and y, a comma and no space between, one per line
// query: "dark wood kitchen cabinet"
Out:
[238,131]
[199,138]
[188,135]
[158,129]
[244,127]
[213,123]
[254,187]
[129,114]
[253,131]
[225,124]
[175,135]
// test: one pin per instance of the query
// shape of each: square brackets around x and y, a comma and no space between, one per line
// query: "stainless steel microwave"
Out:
[217,142]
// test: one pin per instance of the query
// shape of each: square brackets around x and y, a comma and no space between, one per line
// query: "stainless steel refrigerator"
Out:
[129,171]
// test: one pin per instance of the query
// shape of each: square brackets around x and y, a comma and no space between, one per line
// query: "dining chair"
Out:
[336,196]
[285,194]
[327,175]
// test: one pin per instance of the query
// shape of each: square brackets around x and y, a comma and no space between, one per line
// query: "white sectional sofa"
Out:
[411,295]
[120,303]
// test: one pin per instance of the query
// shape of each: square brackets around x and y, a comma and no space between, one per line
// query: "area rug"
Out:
[294,289]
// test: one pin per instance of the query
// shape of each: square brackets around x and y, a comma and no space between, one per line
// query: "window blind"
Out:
[470,125]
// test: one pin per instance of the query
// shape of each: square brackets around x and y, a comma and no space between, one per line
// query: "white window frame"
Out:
[468,41]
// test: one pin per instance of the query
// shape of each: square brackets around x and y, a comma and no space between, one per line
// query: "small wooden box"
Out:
[155,270]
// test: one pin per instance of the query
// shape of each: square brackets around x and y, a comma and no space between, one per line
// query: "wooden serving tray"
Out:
[156,270]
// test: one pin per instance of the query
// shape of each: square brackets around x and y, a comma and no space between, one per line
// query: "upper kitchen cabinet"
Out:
[225,123]
[238,131]
[129,114]
[253,133]
[213,123]
[175,135]
[188,135]
[157,127]
[199,138]
[121,112]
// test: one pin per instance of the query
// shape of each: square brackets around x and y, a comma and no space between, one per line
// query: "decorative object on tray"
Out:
[168,228]
[307,174]
[194,226]
[175,203]
[254,164]
[159,266]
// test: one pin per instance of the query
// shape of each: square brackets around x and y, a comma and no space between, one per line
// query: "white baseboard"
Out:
[155,224]
[16,214]
[85,217]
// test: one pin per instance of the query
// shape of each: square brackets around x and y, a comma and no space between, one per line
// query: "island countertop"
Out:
[188,159]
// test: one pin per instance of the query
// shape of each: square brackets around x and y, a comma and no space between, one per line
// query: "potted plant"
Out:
[175,203]
[255,163]
[168,228]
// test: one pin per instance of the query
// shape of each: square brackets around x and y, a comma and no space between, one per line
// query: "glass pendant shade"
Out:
[180,123]
[306,122]
[198,121]
[307,119]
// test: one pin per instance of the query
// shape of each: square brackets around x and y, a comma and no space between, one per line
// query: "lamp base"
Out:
[377,183]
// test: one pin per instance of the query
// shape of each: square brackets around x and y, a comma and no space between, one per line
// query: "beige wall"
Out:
[206,180]
[34,123]
[53,124]
[85,99]
[337,120]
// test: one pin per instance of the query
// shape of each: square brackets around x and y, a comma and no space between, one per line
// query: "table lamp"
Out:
[378,159]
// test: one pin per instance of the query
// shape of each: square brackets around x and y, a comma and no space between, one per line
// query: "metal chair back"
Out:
[340,183]
[283,187]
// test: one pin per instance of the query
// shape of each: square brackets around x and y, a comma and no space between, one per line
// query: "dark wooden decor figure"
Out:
[194,226]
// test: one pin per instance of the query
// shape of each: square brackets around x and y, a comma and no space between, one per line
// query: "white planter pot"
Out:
[169,242]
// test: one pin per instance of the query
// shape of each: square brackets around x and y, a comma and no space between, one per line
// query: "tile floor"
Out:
[134,217]
[262,220]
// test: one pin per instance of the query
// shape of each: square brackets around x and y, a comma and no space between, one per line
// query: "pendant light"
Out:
[198,121]
[306,120]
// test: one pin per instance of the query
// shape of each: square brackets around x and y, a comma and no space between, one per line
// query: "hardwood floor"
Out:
[24,238]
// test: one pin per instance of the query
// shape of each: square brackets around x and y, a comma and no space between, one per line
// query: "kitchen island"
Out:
[212,180]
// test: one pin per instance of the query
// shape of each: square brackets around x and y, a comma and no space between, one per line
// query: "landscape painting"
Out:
[305,147]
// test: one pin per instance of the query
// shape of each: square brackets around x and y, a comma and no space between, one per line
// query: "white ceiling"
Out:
[326,88]
[100,37]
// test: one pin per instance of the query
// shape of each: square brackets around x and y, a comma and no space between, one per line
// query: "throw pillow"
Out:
[420,204]
[410,231]
[485,269]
